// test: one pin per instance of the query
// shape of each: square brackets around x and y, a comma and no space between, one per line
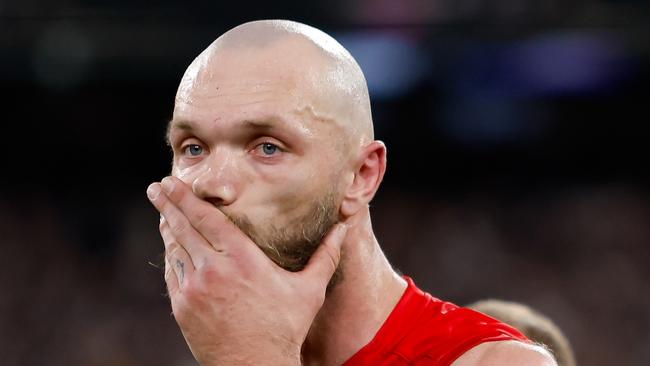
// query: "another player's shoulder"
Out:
[506,353]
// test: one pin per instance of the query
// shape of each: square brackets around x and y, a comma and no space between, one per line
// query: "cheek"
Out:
[188,174]
[291,200]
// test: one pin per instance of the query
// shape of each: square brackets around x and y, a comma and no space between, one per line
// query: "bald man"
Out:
[269,249]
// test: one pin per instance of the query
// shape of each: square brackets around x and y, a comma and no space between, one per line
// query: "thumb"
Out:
[325,260]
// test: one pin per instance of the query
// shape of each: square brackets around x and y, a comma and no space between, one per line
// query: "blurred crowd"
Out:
[517,162]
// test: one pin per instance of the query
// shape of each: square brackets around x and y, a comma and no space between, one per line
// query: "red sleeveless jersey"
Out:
[423,330]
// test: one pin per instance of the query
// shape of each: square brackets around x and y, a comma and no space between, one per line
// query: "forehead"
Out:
[290,64]
[240,103]
[253,83]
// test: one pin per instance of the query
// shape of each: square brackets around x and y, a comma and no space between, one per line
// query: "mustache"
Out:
[291,245]
[245,225]
[241,222]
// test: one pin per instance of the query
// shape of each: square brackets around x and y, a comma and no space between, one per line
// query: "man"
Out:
[270,253]
[532,323]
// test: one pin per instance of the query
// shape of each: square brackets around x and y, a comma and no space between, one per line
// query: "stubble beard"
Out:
[292,246]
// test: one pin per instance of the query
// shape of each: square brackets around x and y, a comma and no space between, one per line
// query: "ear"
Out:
[368,173]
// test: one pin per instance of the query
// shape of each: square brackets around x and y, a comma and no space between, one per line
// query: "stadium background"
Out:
[517,146]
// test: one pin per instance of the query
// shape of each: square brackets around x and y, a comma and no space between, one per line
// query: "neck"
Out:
[356,307]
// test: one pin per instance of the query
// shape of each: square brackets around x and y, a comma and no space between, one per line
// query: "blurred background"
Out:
[517,162]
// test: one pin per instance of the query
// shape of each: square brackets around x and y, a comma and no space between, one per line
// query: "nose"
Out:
[216,182]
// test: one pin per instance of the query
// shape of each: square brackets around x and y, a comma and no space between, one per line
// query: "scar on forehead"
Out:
[309,111]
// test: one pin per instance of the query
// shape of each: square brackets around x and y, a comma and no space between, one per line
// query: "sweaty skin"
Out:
[316,64]
[272,130]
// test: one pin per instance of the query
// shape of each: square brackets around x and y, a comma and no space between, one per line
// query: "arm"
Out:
[506,353]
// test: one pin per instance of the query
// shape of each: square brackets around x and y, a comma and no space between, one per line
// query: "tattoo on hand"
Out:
[181,266]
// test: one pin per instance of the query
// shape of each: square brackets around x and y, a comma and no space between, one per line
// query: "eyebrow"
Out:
[180,124]
[256,126]
[259,126]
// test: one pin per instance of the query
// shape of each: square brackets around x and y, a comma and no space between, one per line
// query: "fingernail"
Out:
[153,191]
[167,185]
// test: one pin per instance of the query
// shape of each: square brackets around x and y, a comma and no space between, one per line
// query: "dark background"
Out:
[517,146]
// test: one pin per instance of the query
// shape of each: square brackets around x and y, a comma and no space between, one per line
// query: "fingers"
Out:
[181,231]
[178,263]
[325,260]
[202,215]
[171,279]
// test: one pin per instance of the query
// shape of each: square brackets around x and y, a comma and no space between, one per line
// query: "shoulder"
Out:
[506,353]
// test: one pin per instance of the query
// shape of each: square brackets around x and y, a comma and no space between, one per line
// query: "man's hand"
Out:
[232,303]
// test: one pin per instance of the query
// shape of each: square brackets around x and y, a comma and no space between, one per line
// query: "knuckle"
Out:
[168,274]
[202,218]
[196,294]
[333,257]
[192,291]
[209,274]
[179,226]
[162,225]
[173,249]
[163,204]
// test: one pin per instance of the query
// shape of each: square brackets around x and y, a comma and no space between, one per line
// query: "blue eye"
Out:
[269,149]
[194,150]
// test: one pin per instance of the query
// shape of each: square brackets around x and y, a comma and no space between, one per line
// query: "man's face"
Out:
[250,135]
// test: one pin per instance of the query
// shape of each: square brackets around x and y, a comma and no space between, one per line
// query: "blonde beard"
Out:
[291,247]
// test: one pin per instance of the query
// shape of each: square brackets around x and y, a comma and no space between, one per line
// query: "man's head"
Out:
[537,327]
[272,125]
